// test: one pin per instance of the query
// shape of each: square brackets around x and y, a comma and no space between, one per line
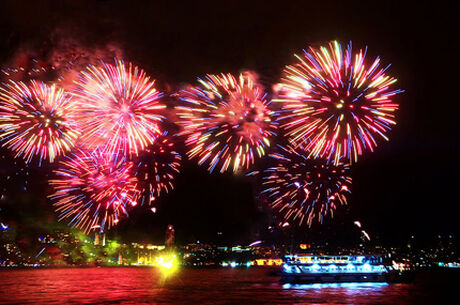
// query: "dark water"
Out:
[210,286]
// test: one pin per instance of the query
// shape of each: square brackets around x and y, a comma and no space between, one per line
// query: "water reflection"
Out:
[334,285]
[187,286]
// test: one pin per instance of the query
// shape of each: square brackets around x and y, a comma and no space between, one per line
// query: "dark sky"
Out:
[408,186]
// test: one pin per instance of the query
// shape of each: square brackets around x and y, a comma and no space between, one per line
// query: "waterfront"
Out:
[208,286]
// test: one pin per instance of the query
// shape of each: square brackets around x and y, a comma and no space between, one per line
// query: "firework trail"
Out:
[335,103]
[157,167]
[93,191]
[303,190]
[26,65]
[226,120]
[34,69]
[119,108]
[36,120]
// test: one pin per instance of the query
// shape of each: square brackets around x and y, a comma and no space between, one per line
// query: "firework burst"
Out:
[35,120]
[93,191]
[120,108]
[227,121]
[304,190]
[157,167]
[335,103]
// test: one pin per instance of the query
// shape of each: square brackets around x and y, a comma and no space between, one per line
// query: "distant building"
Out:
[169,237]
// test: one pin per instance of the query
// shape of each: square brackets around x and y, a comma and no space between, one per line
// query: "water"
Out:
[208,286]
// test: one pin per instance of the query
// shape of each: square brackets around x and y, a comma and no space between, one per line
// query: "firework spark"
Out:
[157,167]
[335,102]
[227,121]
[25,68]
[304,190]
[35,120]
[93,191]
[120,108]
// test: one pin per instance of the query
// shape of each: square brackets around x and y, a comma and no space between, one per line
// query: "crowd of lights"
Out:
[234,264]
[350,268]
[331,264]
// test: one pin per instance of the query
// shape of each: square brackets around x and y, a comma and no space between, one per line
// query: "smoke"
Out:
[59,58]
[69,56]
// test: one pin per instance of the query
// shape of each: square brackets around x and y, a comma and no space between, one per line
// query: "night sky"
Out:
[408,186]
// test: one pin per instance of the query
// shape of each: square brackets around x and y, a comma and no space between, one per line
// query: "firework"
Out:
[157,167]
[120,108]
[24,67]
[93,191]
[336,103]
[35,120]
[227,121]
[304,190]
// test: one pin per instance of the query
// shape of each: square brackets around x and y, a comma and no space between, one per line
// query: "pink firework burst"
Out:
[36,120]
[120,108]
[227,121]
[93,191]
[157,167]
[303,190]
[335,103]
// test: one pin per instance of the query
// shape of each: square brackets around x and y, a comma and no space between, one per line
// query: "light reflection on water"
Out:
[188,286]
[333,285]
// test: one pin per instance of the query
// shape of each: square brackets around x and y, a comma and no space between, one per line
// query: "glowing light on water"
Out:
[352,285]
[167,263]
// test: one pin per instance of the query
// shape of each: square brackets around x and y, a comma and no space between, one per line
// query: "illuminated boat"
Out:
[324,269]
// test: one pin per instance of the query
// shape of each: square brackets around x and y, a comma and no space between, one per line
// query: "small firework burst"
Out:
[304,190]
[94,191]
[157,167]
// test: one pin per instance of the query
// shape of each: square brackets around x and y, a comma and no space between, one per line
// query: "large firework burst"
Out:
[335,102]
[35,120]
[157,166]
[119,108]
[93,190]
[227,121]
[304,190]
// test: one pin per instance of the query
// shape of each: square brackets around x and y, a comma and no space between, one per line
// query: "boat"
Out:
[337,269]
